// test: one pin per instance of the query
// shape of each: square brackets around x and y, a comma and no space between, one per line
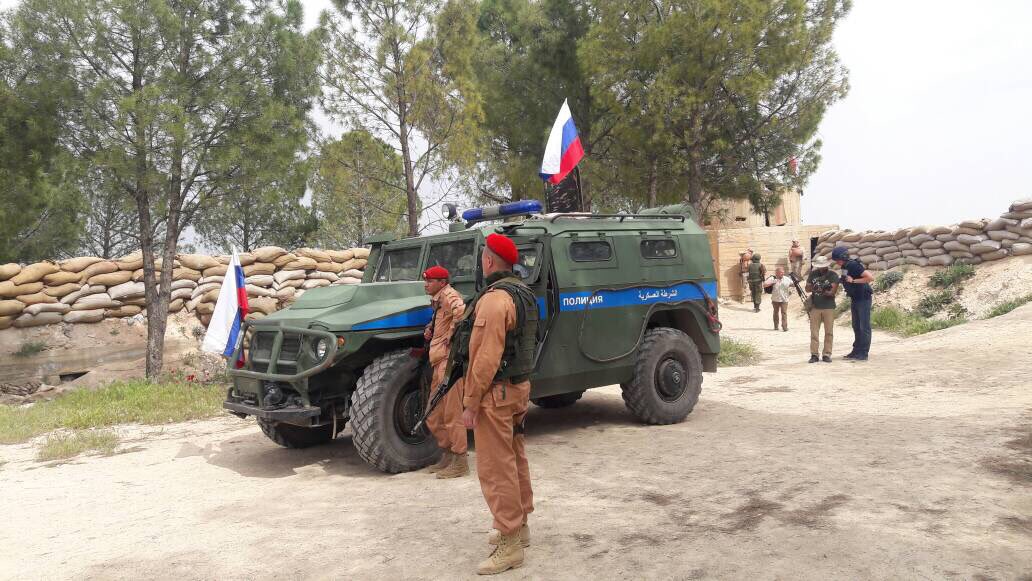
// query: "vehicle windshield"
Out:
[458,257]
[398,264]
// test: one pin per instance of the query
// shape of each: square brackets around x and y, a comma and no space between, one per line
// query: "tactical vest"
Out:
[754,272]
[520,343]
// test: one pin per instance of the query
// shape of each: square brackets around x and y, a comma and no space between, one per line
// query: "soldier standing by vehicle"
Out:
[502,338]
[822,286]
[757,273]
[857,284]
[795,260]
[780,291]
[445,422]
[744,259]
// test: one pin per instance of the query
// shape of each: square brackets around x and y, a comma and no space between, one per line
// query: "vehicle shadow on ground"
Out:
[254,456]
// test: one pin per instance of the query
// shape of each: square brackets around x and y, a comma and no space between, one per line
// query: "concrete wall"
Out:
[729,214]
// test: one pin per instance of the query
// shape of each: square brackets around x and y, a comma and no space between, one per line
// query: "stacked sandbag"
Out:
[969,242]
[90,289]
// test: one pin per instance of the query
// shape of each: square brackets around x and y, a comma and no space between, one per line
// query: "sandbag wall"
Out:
[90,289]
[970,242]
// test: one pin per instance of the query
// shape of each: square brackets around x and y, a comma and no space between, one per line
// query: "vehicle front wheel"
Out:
[558,401]
[385,406]
[667,377]
[291,436]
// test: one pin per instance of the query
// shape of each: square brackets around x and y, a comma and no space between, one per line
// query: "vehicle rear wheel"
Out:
[667,377]
[385,406]
[291,436]
[558,401]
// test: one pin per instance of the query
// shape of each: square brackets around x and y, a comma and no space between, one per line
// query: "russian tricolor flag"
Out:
[563,151]
[230,309]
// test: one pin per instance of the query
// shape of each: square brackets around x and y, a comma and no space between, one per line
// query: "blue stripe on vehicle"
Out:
[414,318]
[419,318]
[635,296]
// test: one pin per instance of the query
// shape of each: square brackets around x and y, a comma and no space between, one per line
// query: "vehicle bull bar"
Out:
[307,349]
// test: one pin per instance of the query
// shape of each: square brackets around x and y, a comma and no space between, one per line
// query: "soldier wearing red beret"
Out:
[445,423]
[496,395]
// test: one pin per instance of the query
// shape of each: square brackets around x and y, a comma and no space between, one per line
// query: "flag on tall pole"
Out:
[223,333]
[563,151]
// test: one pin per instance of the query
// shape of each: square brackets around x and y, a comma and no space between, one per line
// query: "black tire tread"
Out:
[366,399]
[636,396]
[295,437]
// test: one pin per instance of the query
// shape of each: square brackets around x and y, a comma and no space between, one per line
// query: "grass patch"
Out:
[951,276]
[887,281]
[936,302]
[126,402]
[735,353]
[908,324]
[1004,308]
[842,305]
[62,445]
[30,348]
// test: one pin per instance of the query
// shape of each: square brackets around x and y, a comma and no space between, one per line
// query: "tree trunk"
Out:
[653,182]
[412,197]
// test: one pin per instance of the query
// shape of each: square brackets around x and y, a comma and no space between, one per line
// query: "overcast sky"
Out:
[937,127]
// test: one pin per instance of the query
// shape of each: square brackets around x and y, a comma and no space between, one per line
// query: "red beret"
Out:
[436,272]
[504,247]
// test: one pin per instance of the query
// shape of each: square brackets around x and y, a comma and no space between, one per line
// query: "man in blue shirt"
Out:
[856,280]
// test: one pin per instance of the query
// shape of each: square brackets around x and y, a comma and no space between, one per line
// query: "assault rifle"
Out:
[799,291]
[453,374]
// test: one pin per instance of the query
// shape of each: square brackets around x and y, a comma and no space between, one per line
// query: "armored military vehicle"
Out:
[624,299]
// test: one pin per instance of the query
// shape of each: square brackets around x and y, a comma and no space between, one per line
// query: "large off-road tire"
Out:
[667,377]
[291,436]
[558,401]
[384,407]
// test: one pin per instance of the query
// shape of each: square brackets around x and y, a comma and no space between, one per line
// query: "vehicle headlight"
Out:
[320,348]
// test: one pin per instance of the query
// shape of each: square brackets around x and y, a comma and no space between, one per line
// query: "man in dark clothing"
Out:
[856,281]
[757,274]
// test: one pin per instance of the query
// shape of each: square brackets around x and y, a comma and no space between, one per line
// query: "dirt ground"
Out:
[916,464]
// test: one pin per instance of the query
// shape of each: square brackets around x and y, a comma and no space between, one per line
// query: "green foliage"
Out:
[843,305]
[951,276]
[735,353]
[136,401]
[30,348]
[933,304]
[64,445]
[1004,308]
[357,191]
[179,107]
[895,320]
[398,70]
[750,96]
[39,205]
[888,280]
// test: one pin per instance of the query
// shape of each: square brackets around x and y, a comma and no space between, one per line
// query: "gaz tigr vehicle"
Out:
[624,299]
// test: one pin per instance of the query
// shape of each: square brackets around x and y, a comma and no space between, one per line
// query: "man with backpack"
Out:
[757,274]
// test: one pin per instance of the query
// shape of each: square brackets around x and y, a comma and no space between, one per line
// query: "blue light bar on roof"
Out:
[510,209]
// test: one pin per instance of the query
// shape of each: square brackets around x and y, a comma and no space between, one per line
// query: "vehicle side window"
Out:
[399,264]
[458,257]
[661,248]
[590,251]
[529,264]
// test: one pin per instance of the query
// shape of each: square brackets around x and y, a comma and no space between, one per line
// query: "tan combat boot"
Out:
[446,459]
[495,536]
[507,555]
[459,467]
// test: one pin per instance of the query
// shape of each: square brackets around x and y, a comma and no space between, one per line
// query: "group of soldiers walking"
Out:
[492,339]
